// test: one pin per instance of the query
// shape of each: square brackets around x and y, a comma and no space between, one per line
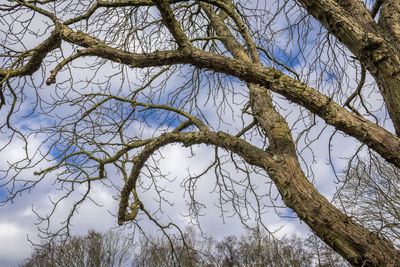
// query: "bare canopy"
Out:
[117,81]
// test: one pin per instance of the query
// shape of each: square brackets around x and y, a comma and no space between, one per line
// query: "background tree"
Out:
[322,255]
[255,248]
[158,250]
[135,76]
[95,249]
[371,194]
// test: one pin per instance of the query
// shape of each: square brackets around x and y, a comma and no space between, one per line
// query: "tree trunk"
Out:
[356,244]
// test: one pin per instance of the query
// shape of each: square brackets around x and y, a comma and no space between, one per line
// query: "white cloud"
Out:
[13,243]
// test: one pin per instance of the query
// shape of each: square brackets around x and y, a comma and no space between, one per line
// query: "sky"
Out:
[18,219]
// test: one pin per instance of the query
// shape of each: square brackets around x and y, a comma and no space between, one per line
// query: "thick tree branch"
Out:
[389,20]
[341,23]
[360,13]
[376,7]
[36,55]
[271,121]
[112,117]
[39,10]
[376,137]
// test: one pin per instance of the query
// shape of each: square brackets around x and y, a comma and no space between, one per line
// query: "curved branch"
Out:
[54,72]
[252,154]
[122,3]
[86,15]
[228,7]
[357,92]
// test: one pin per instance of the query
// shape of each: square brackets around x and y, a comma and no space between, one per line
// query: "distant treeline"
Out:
[189,248]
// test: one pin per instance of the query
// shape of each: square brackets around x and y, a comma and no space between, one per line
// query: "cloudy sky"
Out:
[18,219]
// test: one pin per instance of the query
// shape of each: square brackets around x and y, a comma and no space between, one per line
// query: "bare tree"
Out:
[322,255]
[255,248]
[156,250]
[96,249]
[258,248]
[134,76]
[371,195]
